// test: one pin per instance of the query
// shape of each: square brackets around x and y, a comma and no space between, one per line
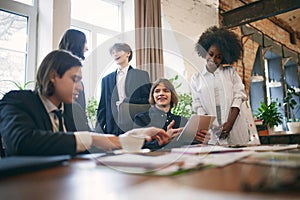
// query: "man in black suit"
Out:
[126,84]
[28,123]
[48,121]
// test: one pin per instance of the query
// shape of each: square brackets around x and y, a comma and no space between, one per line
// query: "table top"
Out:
[81,178]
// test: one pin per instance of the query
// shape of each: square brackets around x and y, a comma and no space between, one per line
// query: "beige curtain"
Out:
[148,38]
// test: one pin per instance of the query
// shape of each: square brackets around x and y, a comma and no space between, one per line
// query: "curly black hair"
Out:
[226,41]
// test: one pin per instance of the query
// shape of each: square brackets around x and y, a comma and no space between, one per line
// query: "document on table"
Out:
[204,149]
[270,147]
[169,163]
[223,159]
[141,161]
[281,159]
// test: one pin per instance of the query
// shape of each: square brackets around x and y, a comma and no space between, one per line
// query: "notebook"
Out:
[20,164]
[194,124]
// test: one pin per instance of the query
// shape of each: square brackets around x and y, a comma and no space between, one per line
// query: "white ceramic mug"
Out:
[131,142]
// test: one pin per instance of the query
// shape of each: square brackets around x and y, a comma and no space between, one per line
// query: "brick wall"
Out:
[265,26]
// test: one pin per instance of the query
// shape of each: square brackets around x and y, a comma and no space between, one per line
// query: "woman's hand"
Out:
[227,126]
[202,136]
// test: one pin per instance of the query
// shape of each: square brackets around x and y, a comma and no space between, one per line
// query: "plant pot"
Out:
[294,127]
[271,130]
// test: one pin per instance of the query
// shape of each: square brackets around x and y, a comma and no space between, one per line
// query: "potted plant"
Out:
[17,85]
[269,115]
[184,106]
[92,107]
[293,123]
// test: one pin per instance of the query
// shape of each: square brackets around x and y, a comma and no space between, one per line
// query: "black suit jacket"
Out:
[137,89]
[26,128]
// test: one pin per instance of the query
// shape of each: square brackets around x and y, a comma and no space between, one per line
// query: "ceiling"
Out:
[285,13]
[291,19]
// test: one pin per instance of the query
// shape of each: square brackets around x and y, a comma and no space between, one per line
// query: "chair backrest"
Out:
[2,150]
[127,112]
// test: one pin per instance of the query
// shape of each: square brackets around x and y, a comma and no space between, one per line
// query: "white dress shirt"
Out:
[83,138]
[230,93]
[121,78]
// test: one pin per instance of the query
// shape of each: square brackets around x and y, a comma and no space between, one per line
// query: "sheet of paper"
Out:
[204,149]
[169,163]
[270,147]
[141,161]
[281,159]
[223,159]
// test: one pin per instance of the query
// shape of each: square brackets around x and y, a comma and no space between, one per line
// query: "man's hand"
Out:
[152,133]
[106,142]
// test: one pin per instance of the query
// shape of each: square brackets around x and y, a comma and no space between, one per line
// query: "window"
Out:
[291,77]
[105,14]
[28,2]
[101,21]
[17,54]
[257,89]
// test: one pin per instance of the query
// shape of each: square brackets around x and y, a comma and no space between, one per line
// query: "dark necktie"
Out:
[59,116]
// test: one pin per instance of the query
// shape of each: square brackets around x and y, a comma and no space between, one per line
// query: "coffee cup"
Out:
[131,142]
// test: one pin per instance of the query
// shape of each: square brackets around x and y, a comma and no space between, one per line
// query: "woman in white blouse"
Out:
[218,90]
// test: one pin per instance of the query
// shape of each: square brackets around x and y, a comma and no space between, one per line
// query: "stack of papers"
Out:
[270,147]
[205,149]
[290,160]
[166,164]
[191,158]
[141,161]
[169,163]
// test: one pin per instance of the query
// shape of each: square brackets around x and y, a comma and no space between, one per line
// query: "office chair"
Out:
[2,150]
[127,112]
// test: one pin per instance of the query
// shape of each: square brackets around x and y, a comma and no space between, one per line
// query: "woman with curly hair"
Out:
[218,90]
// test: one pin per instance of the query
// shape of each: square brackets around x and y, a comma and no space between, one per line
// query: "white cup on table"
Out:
[131,142]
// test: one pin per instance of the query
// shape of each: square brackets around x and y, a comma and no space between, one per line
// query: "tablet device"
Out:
[194,124]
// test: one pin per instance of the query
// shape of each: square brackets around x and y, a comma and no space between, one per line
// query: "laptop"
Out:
[20,164]
[194,124]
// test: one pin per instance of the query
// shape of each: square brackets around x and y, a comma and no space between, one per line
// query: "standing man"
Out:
[126,84]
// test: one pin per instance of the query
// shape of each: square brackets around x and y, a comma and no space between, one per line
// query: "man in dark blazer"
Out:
[28,123]
[134,89]
[25,109]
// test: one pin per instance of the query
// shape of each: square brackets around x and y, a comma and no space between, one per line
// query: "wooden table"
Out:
[82,179]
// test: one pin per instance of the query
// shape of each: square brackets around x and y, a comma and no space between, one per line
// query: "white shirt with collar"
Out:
[50,107]
[230,93]
[121,78]
[83,138]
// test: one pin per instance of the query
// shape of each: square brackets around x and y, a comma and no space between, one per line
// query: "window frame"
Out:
[91,75]
[31,13]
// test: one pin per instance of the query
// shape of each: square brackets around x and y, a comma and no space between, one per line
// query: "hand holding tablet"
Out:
[195,124]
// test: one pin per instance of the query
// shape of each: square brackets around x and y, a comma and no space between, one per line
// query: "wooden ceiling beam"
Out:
[256,11]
